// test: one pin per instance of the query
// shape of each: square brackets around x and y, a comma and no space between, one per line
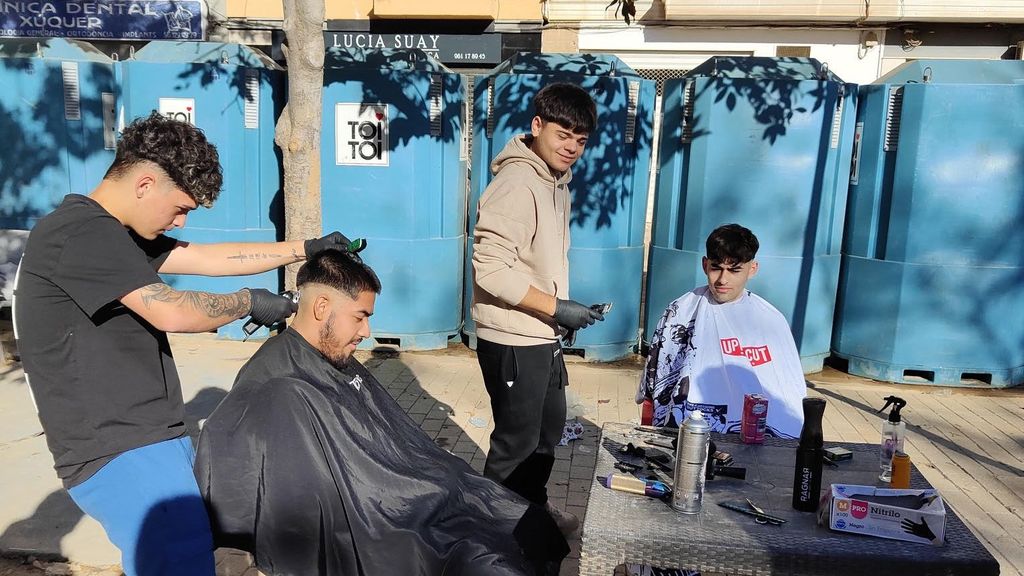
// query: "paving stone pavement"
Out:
[969,443]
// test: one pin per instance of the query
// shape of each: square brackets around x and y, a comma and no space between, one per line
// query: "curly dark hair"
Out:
[178,148]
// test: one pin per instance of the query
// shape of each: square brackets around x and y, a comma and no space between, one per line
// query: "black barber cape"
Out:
[318,471]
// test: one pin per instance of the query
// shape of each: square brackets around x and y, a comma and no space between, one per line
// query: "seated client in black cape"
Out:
[310,464]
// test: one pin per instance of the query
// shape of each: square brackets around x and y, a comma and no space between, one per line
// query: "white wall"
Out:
[683,48]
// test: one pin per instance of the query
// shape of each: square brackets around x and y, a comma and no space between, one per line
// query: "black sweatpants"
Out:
[527,389]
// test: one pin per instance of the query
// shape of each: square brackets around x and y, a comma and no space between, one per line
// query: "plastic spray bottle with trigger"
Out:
[893,432]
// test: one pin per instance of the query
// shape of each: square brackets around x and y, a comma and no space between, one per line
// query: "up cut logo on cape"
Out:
[757,355]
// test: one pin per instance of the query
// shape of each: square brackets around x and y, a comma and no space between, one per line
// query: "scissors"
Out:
[760,516]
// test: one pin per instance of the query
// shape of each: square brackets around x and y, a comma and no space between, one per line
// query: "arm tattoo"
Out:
[212,305]
[254,256]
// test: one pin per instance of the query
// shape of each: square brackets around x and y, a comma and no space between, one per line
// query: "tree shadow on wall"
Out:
[603,178]
[769,86]
[47,152]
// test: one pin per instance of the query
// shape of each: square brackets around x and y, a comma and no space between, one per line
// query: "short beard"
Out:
[328,342]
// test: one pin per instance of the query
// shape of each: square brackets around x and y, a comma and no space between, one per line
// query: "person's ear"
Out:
[704,263]
[536,125]
[753,269]
[145,182]
[321,307]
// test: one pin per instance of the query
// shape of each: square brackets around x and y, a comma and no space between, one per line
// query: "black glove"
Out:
[269,308]
[920,530]
[333,241]
[574,316]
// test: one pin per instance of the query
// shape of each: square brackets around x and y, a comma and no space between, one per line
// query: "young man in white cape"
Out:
[719,342]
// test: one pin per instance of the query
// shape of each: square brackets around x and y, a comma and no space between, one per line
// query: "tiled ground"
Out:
[968,443]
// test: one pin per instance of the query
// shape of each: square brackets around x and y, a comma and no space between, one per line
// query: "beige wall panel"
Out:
[256,9]
[520,10]
[348,9]
[761,10]
[576,10]
[448,9]
[560,40]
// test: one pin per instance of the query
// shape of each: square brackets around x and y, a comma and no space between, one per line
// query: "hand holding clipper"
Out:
[268,308]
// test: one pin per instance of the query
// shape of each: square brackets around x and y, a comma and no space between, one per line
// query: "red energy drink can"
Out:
[754,419]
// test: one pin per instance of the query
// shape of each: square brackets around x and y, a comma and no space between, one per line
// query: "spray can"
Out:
[893,432]
[691,460]
[754,418]
[809,454]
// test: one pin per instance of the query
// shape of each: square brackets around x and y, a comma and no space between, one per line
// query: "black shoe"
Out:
[567,522]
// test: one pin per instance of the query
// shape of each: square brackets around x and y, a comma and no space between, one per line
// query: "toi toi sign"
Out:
[180,109]
[361,134]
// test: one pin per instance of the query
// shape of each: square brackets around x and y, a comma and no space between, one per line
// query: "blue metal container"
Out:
[609,182]
[394,173]
[234,94]
[765,143]
[932,285]
[57,124]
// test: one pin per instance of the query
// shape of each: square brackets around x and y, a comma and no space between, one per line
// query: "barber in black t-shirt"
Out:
[92,316]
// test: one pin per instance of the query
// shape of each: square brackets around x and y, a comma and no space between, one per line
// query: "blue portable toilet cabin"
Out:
[234,94]
[609,182]
[393,173]
[57,121]
[765,143]
[932,285]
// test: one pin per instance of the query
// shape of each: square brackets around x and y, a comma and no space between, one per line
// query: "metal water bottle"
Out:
[691,459]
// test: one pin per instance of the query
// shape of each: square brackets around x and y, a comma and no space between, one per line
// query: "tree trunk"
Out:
[298,129]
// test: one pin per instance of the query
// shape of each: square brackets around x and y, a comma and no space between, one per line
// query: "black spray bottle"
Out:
[809,454]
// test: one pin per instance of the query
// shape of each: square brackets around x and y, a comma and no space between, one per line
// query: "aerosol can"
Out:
[691,462]
[893,431]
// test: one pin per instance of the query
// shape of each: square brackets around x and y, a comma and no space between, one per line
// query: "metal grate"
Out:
[837,123]
[72,98]
[436,104]
[659,75]
[893,113]
[252,98]
[634,95]
[490,108]
[689,94]
[109,120]
[467,126]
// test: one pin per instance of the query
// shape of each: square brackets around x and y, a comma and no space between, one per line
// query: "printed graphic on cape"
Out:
[672,356]
[717,415]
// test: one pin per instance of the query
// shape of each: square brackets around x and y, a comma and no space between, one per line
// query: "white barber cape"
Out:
[705,356]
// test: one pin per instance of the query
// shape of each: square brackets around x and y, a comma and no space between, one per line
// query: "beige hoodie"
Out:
[521,239]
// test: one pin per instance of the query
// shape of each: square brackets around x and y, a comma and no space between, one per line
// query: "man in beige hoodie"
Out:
[521,300]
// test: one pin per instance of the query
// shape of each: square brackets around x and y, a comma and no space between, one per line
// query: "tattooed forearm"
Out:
[256,256]
[233,305]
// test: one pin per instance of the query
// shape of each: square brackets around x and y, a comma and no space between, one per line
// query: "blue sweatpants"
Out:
[148,502]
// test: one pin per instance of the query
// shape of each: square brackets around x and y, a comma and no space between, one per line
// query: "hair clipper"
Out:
[252,326]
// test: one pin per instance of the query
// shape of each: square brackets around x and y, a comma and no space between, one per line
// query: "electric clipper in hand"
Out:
[252,326]
[569,338]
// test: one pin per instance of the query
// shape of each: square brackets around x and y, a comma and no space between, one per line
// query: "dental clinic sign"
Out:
[105,19]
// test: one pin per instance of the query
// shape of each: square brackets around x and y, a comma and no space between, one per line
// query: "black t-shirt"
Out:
[103,379]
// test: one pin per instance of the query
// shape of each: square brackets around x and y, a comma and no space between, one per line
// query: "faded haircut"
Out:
[178,148]
[340,270]
[732,244]
[567,105]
